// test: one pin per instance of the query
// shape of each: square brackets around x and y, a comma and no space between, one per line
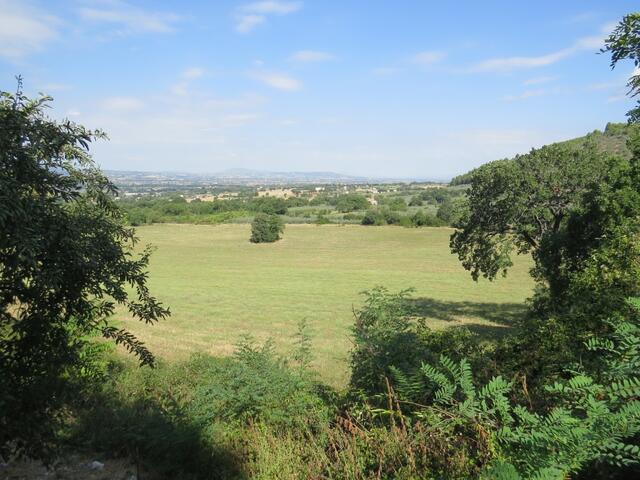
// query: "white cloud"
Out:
[311,56]
[192,73]
[132,19]
[385,71]
[54,87]
[428,57]
[538,80]
[24,30]
[246,23]
[604,85]
[526,94]
[279,81]
[123,104]
[617,98]
[239,119]
[187,76]
[275,7]
[511,63]
[253,14]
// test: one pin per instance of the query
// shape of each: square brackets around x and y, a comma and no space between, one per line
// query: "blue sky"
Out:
[379,88]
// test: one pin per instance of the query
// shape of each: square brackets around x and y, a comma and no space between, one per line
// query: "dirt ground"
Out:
[74,467]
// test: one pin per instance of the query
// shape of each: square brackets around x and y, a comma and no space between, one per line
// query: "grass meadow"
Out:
[220,286]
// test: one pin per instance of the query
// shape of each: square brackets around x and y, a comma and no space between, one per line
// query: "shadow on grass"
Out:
[501,315]
[161,441]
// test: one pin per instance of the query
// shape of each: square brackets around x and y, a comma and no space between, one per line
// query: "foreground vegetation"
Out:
[556,397]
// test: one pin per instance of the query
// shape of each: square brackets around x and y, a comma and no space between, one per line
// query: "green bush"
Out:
[423,219]
[199,418]
[416,201]
[372,217]
[351,202]
[592,419]
[266,228]
[386,329]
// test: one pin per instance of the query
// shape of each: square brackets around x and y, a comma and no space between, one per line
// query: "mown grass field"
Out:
[220,286]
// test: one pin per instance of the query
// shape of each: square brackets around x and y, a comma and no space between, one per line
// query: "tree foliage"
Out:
[66,262]
[351,202]
[624,43]
[594,419]
[266,228]
[515,206]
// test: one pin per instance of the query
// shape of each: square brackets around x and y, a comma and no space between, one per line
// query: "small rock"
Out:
[96,465]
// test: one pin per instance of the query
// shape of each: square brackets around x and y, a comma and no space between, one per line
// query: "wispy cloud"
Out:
[312,56]
[122,104]
[129,18]
[526,94]
[251,15]
[273,6]
[239,119]
[428,57]
[279,81]
[24,29]
[604,85]
[246,23]
[54,87]
[385,71]
[538,80]
[503,64]
[193,73]
[181,88]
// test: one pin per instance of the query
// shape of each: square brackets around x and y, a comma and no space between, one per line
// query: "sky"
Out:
[406,89]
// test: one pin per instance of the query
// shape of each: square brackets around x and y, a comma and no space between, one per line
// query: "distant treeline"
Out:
[428,207]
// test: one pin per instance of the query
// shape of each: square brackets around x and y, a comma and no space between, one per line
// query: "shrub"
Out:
[351,202]
[386,329]
[266,228]
[372,217]
[416,201]
[322,220]
[268,205]
[395,203]
[594,418]
[423,219]
[448,212]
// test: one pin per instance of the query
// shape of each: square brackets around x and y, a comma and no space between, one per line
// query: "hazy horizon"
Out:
[397,90]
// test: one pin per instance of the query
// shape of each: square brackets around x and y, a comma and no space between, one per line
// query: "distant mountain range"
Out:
[242,176]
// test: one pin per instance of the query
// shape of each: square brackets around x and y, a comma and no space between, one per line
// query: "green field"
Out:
[220,286]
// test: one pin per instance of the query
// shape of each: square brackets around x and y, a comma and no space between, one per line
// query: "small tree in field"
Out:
[266,228]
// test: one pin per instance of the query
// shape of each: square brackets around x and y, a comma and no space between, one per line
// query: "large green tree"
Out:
[66,262]
[516,205]
[624,44]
